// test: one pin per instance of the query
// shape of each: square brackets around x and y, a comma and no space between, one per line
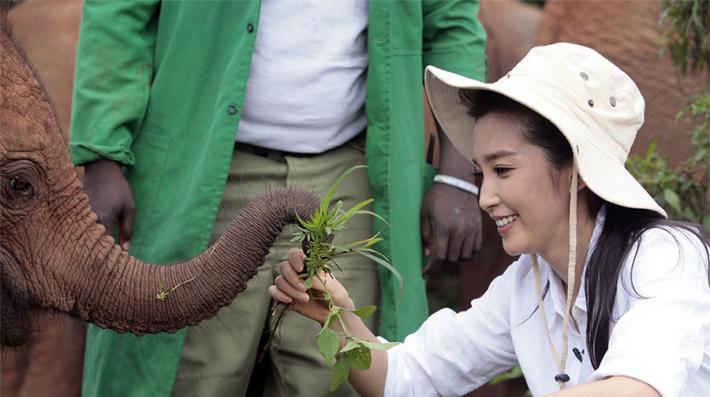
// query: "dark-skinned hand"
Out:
[450,217]
[450,226]
[111,198]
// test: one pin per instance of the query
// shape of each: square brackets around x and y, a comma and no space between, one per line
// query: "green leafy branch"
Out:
[686,32]
[163,293]
[356,353]
[316,235]
[681,190]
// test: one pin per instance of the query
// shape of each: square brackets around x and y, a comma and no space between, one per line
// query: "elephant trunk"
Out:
[127,295]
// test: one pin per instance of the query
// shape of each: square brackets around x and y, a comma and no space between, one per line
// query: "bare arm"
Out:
[617,386]
[369,383]
[450,217]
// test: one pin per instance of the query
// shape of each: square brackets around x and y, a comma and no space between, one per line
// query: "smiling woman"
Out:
[524,190]
[603,278]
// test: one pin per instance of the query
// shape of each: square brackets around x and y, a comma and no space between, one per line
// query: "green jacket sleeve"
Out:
[453,38]
[114,69]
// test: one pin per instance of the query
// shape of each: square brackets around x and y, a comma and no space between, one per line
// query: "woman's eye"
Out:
[500,171]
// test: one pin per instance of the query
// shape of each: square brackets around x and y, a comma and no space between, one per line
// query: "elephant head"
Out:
[54,255]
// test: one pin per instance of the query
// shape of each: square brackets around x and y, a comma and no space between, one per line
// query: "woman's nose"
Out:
[488,198]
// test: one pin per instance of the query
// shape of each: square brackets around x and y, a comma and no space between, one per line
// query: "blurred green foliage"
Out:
[683,190]
[686,25]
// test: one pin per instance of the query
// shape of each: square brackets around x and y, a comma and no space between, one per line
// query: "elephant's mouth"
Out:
[15,329]
[15,324]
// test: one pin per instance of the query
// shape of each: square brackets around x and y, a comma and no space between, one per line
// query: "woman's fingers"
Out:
[276,293]
[289,270]
[287,288]
[295,257]
[290,286]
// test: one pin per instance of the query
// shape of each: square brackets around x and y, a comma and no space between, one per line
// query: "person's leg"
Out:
[219,353]
[297,367]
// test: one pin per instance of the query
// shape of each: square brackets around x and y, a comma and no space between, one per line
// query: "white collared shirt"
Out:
[662,339]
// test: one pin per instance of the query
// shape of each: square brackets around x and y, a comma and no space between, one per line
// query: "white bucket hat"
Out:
[595,105]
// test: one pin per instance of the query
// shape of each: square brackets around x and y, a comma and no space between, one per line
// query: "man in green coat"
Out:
[184,110]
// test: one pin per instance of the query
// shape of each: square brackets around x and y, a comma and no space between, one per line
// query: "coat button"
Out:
[232,110]
[250,28]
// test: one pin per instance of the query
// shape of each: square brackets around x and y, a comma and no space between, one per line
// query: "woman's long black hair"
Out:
[622,229]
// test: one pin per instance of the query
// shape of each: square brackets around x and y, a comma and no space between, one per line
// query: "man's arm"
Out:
[451,222]
[453,38]
[450,217]
[112,79]
[114,70]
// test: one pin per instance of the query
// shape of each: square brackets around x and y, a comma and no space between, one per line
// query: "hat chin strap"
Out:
[561,359]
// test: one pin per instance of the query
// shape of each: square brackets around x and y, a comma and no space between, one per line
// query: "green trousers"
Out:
[220,354]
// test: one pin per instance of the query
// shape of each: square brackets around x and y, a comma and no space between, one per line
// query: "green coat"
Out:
[164,99]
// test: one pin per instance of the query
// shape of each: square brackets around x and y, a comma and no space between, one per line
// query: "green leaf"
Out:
[360,357]
[353,211]
[380,346]
[352,344]
[331,192]
[382,260]
[334,311]
[376,216]
[337,207]
[361,244]
[341,370]
[365,311]
[514,373]
[672,199]
[328,344]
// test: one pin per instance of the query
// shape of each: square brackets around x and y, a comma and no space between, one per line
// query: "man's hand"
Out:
[111,198]
[450,217]
[450,226]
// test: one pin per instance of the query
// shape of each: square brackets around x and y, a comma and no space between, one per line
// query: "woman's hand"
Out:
[290,288]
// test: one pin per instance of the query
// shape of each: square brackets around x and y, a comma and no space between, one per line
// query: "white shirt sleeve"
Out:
[660,338]
[454,353]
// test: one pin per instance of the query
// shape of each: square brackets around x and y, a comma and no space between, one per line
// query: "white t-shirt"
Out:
[306,86]
[662,339]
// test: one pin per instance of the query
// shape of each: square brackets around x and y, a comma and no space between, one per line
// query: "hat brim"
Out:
[605,176]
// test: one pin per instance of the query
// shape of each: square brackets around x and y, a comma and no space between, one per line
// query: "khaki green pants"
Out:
[220,354]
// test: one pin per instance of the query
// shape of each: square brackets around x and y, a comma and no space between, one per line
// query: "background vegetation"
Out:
[683,190]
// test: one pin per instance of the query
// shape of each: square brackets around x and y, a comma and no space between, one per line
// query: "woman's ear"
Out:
[580,183]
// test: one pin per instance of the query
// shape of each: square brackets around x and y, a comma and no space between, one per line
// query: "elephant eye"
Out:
[20,183]
[18,191]
[21,187]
